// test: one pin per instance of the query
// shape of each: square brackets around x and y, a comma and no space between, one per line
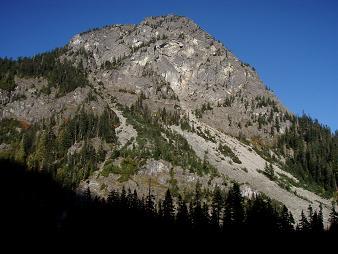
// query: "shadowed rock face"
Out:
[170,56]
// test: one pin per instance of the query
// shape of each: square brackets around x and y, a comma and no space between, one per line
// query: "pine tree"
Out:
[135,200]
[304,224]
[150,203]
[129,199]
[197,211]
[113,197]
[160,210]
[41,151]
[317,221]
[234,212]
[123,198]
[314,222]
[216,208]
[333,220]
[269,171]
[310,215]
[20,154]
[183,216]
[320,221]
[277,125]
[286,220]
[291,221]
[261,215]
[62,143]
[205,222]
[168,208]
[87,195]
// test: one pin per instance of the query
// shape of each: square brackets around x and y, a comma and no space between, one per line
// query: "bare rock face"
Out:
[171,58]
[30,104]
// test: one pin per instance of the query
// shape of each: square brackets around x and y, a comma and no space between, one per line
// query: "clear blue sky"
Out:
[293,44]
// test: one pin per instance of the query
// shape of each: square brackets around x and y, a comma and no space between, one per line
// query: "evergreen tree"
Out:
[333,220]
[160,211]
[41,151]
[320,219]
[150,203]
[277,125]
[129,199]
[20,154]
[183,216]
[64,141]
[234,212]
[310,214]
[304,224]
[261,216]
[168,208]
[123,198]
[113,197]
[197,210]
[87,195]
[216,208]
[286,220]
[317,221]
[269,171]
[205,222]
[136,201]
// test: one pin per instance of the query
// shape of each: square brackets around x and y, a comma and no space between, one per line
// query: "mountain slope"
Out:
[171,58]
[160,103]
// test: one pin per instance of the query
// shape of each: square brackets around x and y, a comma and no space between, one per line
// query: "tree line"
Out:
[311,150]
[50,208]
[45,145]
[64,75]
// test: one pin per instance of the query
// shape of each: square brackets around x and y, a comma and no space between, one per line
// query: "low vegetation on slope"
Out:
[227,152]
[155,141]
[65,149]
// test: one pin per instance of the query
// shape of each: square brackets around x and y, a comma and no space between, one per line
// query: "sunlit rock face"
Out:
[175,53]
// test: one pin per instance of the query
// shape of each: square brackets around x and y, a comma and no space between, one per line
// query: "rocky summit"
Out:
[160,104]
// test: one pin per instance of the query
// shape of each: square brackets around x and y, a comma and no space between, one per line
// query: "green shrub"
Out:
[227,152]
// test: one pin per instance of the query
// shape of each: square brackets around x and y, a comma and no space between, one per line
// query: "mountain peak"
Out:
[167,18]
[159,97]
[175,52]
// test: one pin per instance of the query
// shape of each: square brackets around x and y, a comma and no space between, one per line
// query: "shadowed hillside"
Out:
[34,204]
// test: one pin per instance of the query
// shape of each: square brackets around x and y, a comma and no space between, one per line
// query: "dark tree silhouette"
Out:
[36,204]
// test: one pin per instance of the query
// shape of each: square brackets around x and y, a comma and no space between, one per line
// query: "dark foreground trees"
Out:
[32,201]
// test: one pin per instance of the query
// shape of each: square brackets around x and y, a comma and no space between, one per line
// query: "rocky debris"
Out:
[75,148]
[248,192]
[154,167]
[4,147]
[296,199]
[158,174]
[125,132]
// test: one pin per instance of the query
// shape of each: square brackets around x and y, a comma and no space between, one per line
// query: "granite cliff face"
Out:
[171,57]
[172,67]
